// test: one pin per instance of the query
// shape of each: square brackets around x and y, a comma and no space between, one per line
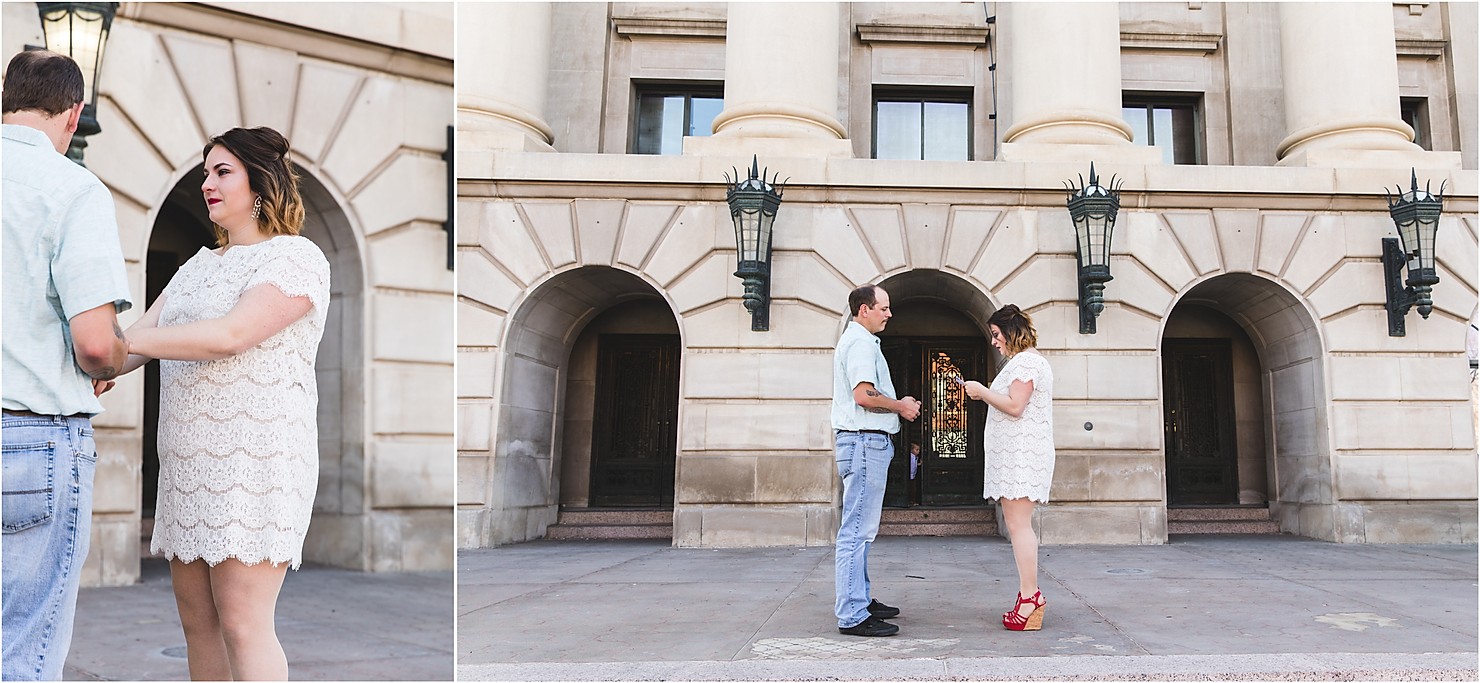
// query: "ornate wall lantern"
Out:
[1416,213]
[1093,208]
[80,30]
[753,204]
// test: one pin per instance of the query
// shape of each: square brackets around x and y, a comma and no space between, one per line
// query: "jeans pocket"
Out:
[29,474]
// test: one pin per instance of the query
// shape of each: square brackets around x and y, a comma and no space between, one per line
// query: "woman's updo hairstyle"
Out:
[264,152]
[1017,328]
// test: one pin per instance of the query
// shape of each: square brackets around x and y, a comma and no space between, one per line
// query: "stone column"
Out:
[504,50]
[781,82]
[1341,88]
[1064,61]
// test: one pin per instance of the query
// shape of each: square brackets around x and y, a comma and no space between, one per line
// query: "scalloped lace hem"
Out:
[292,562]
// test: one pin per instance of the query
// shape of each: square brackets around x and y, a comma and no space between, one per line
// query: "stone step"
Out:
[1265,527]
[939,529]
[590,524]
[923,515]
[614,516]
[1218,514]
[594,532]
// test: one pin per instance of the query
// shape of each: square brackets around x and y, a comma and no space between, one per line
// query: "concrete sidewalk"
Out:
[334,624]
[1201,607]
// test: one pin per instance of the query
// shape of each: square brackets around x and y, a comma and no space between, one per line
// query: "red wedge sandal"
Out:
[1014,621]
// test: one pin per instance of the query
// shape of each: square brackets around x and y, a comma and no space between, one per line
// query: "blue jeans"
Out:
[48,468]
[863,463]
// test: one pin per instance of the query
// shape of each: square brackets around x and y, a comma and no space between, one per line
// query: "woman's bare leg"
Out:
[1018,512]
[246,598]
[205,649]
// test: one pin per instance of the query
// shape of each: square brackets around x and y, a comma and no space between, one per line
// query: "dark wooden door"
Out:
[949,429]
[634,435]
[1201,444]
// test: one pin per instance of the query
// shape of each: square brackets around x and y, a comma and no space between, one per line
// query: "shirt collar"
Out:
[855,328]
[27,135]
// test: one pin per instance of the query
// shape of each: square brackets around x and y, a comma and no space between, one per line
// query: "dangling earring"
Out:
[257,207]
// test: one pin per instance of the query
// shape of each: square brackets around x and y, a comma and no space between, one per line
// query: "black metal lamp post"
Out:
[753,204]
[1093,208]
[80,30]
[1416,213]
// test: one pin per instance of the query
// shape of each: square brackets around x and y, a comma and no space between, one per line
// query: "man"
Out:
[865,415]
[64,287]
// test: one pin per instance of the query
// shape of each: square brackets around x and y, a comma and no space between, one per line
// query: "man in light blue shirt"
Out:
[64,285]
[865,416]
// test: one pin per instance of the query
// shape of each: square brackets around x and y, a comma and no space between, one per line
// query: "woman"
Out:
[237,330]
[1019,450]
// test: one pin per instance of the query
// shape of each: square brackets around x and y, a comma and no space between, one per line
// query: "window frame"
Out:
[922,95]
[1193,101]
[1419,120]
[677,88]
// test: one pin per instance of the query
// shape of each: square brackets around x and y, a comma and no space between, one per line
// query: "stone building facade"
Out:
[604,358]
[365,98]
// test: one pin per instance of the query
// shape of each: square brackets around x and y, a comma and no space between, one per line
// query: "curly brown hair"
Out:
[264,153]
[1017,328]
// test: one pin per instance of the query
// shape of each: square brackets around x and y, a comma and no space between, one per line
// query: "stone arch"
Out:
[541,406]
[938,288]
[1287,338]
[179,228]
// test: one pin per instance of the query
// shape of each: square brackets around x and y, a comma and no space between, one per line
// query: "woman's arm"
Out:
[1013,402]
[149,320]
[261,312]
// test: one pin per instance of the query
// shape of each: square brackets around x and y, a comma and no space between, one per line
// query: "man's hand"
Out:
[909,408]
[101,386]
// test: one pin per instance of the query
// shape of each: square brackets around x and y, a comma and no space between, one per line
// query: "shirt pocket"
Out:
[29,474]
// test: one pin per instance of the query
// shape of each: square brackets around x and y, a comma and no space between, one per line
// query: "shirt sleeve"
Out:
[87,266]
[297,269]
[859,366]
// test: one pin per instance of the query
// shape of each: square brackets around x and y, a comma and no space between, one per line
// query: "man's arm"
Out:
[98,342]
[875,401]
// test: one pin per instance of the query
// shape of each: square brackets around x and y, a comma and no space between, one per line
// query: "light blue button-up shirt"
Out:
[61,258]
[859,359]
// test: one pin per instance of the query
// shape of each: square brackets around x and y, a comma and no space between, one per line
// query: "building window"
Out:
[1416,114]
[932,125]
[666,114]
[1173,124]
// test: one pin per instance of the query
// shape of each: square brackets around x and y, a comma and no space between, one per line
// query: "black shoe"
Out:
[872,626]
[882,610]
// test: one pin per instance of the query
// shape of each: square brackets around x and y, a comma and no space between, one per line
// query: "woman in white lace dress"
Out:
[1019,450]
[237,330]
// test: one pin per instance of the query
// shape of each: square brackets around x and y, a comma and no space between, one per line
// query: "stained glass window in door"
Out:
[947,419]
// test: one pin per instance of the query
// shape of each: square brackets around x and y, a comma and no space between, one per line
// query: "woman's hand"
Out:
[148,321]
[976,390]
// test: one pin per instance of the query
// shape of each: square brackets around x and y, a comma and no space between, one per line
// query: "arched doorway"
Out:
[181,228]
[588,414]
[1243,386]
[938,330]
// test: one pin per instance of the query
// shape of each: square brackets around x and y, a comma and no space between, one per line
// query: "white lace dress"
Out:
[1019,450]
[238,437]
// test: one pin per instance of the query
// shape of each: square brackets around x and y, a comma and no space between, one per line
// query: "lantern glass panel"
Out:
[1426,233]
[763,236]
[79,34]
[747,231]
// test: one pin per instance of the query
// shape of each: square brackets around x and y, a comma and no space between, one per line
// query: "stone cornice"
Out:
[229,25]
[1192,42]
[629,27]
[1420,47]
[913,33]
